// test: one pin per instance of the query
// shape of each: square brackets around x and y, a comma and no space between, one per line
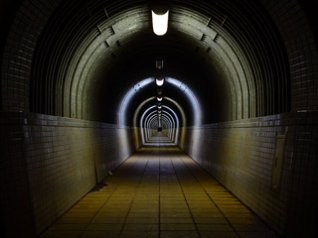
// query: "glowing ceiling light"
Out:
[159,99]
[159,107]
[160,23]
[160,82]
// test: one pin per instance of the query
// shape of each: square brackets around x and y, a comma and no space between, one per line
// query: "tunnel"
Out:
[91,95]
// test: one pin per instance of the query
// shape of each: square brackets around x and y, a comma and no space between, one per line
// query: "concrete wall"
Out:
[50,162]
[269,163]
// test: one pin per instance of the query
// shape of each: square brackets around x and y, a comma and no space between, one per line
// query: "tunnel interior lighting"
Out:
[159,99]
[159,64]
[159,91]
[160,23]
[160,82]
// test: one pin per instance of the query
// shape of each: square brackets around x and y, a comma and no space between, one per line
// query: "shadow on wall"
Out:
[56,155]
[242,155]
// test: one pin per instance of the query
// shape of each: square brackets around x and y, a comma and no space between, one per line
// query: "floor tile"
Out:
[159,196]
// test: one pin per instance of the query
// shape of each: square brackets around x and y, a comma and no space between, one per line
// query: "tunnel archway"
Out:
[236,65]
[72,92]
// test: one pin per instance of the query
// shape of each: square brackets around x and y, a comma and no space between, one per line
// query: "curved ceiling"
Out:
[91,53]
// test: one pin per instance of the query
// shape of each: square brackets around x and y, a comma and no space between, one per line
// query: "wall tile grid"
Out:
[18,53]
[58,161]
[59,155]
[301,50]
[241,155]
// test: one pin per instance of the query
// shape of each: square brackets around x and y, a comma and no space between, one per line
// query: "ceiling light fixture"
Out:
[160,82]
[160,22]
[159,99]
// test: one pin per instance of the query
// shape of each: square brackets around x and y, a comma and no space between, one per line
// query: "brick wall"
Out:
[50,162]
[18,52]
[301,48]
[33,15]
[242,155]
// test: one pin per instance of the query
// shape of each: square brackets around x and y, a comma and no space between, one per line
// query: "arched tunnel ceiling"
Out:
[92,52]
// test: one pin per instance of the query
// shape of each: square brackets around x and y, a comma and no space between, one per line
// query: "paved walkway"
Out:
[156,194]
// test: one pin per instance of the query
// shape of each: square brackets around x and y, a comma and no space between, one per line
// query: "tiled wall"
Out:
[243,155]
[53,161]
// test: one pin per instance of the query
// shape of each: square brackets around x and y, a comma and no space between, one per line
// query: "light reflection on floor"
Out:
[160,192]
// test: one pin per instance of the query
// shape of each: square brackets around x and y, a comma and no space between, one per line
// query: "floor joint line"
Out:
[188,206]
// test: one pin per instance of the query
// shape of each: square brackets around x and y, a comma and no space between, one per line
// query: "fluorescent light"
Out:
[159,64]
[160,23]
[159,99]
[159,82]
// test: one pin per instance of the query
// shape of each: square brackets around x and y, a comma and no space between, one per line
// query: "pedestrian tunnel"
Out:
[87,84]
[159,119]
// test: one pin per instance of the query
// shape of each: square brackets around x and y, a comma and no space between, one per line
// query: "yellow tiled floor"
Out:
[157,194]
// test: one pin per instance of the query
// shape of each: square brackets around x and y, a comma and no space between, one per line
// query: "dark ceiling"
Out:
[90,53]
